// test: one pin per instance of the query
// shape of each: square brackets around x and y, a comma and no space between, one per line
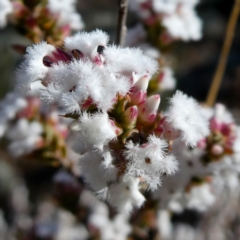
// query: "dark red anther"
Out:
[64,56]
[47,61]
[77,54]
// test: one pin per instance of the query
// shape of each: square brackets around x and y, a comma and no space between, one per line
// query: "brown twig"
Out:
[216,82]
[122,17]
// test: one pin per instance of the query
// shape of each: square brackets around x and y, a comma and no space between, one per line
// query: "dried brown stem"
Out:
[122,18]
[216,82]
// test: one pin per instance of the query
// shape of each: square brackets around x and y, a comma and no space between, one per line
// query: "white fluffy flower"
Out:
[179,17]
[166,7]
[5,9]
[88,82]
[24,137]
[77,232]
[117,228]
[86,42]
[200,197]
[236,145]
[68,229]
[96,129]
[185,115]
[129,60]
[66,13]
[125,195]
[186,25]
[149,161]
[33,69]
[9,107]
[95,76]
[164,223]
[96,175]
[167,81]
[222,115]
[89,73]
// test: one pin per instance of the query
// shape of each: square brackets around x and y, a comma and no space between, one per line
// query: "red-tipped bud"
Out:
[142,83]
[202,143]
[87,103]
[158,131]
[217,150]
[227,129]
[33,105]
[139,89]
[148,109]
[215,125]
[130,117]
[118,130]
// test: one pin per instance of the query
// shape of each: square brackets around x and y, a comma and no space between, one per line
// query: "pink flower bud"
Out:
[87,103]
[142,83]
[148,109]
[118,130]
[66,30]
[160,77]
[33,105]
[62,129]
[229,142]
[215,125]
[39,143]
[227,129]
[158,131]
[130,117]
[217,149]
[139,89]
[202,143]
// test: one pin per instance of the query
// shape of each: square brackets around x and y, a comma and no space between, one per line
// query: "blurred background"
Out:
[194,64]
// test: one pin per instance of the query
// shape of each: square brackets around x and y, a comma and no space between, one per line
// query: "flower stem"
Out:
[122,17]
[216,82]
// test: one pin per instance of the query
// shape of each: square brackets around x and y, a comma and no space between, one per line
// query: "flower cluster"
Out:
[48,20]
[33,131]
[172,20]
[222,152]
[207,171]
[122,140]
